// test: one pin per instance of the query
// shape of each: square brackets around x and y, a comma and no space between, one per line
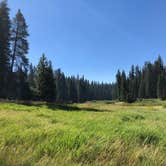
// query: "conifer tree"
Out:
[50,91]
[20,46]
[32,80]
[71,89]
[45,80]
[141,92]
[4,48]
[61,88]
[131,92]
[131,85]
[123,94]
[148,79]
[118,80]
[158,71]
[137,80]
[161,86]
[22,85]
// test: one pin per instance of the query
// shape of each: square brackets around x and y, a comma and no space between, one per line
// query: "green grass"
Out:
[93,133]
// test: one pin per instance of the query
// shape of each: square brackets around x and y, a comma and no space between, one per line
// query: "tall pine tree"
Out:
[19,34]
[45,80]
[4,48]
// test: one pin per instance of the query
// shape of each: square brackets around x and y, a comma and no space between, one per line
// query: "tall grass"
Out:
[93,133]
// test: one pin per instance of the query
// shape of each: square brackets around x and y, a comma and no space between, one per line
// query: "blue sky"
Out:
[94,38]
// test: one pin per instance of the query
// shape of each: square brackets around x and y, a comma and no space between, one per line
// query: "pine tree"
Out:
[124,90]
[114,91]
[4,48]
[131,93]
[161,86]
[137,80]
[148,79]
[132,83]
[41,74]
[45,80]
[83,89]
[32,80]
[22,85]
[71,89]
[78,89]
[118,80]
[141,92]
[61,87]
[50,91]
[158,71]
[19,34]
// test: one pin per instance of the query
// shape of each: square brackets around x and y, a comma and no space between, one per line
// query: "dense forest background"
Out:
[20,80]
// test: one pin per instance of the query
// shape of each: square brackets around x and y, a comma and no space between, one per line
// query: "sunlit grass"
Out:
[93,133]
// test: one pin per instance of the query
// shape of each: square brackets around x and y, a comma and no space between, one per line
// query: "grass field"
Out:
[93,133]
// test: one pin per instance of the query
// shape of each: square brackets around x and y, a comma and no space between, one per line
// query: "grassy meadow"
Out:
[93,133]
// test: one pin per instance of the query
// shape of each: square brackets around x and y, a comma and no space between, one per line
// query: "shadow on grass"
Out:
[55,107]
[73,108]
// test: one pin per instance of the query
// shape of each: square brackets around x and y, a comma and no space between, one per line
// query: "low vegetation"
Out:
[93,133]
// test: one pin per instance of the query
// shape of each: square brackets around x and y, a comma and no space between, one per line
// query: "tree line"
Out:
[49,85]
[20,80]
[146,82]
